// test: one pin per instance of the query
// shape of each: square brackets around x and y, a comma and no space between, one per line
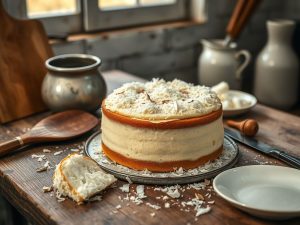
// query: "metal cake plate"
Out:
[225,161]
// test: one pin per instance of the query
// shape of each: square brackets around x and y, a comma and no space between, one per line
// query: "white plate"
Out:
[238,111]
[271,192]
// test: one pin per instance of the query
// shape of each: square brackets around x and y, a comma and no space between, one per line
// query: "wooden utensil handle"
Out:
[239,7]
[10,145]
[245,11]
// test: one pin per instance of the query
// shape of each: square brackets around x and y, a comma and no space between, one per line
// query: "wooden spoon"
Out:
[58,127]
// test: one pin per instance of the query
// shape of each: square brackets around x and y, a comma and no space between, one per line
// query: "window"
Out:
[75,16]
[58,16]
[107,14]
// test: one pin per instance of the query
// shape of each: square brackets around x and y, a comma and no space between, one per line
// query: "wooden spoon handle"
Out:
[8,146]
[239,7]
[244,12]
[248,127]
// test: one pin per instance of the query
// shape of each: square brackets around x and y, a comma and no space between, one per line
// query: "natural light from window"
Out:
[51,7]
[110,4]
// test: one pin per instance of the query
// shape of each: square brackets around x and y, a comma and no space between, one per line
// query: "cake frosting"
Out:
[162,145]
[161,100]
[160,125]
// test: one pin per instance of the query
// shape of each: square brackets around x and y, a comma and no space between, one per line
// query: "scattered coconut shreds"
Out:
[125,188]
[140,191]
[156,207]
[45,167]
[199,196]
[173,193]
[165,198]
[47,189]
[167,205]
[201,211]
[74,150]
[57,153]
[118,207]
[46,150]
[95,198]
[39,158]
[59,197]
[152,214]
[136,200]
[211,202]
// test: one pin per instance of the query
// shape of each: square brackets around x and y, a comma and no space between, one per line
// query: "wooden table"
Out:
[22,185]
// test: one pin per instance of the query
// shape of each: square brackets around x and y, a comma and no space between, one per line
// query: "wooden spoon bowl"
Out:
[58,127]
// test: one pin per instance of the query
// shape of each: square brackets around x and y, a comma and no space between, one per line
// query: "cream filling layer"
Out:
[158,145]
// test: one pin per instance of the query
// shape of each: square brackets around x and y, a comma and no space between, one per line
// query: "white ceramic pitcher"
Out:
[220,63]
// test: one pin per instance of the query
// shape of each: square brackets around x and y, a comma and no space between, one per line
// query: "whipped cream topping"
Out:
[161,100]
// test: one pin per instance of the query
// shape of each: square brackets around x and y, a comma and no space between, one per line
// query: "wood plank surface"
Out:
[24,48]
[22,185]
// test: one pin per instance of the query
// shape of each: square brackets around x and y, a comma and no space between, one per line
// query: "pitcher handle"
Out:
[243,65]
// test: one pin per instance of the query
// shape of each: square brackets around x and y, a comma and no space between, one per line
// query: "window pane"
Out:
[156,2]
[46,8]
[104,4]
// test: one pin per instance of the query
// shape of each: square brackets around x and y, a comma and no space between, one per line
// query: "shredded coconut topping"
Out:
[160,100]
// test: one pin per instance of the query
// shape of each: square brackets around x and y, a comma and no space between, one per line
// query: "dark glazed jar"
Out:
[73,82]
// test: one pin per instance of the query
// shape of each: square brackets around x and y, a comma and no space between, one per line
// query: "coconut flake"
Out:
[140,190]
[46,150]
[156,207]
[57,153]
[47,189]
[201,211]
[125,188]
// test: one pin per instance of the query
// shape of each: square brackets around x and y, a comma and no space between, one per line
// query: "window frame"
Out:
[56,24]
[97,19]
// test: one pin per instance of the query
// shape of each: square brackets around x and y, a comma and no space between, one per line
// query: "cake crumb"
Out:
[167,205]
[156,207]
[43,168]
[201,211]
[118,207]
[165,198]
[152,214]
[45,150]
[125,188]
[59,197]
[199,196]
[140,191]
[173,193]
[47,189]
[57,153]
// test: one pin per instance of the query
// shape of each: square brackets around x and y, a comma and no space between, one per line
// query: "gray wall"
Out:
[173,52]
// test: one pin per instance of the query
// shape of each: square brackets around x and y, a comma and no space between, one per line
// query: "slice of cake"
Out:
[80,177]
[162,125]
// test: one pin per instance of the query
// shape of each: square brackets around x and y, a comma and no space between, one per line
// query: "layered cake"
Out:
[160,125]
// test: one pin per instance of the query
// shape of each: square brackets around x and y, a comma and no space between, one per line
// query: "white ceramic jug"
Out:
[277,67]
[219,63]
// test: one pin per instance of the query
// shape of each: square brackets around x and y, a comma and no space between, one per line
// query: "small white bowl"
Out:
[271,192]
[238,111]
